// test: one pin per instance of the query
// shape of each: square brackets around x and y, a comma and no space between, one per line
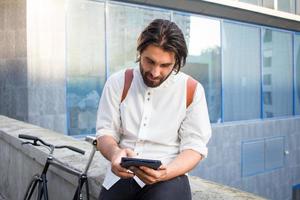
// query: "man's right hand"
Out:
[112,152]
[116,161]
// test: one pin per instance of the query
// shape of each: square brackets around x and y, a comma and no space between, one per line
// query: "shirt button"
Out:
[145,124]
[148,99]
[149,93]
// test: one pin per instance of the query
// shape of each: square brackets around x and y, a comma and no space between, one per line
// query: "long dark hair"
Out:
[166,35]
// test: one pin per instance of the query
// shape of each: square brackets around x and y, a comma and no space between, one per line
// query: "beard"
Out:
[151,81]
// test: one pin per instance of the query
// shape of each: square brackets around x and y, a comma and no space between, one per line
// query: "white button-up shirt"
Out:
[153,122]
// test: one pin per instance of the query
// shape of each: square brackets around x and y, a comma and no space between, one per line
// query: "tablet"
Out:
[128,162]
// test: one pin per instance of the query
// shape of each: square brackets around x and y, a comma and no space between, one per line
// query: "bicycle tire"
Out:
[31,186]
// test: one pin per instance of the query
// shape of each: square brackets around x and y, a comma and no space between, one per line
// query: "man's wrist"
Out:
[113,152]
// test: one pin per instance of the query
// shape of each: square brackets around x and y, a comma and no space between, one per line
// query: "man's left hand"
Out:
[150,176]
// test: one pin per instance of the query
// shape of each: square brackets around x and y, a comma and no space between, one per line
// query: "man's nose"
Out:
[155,71]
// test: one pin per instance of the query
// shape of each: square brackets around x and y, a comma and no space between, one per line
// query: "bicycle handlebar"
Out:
[71,148]
[28,137]
[36,139]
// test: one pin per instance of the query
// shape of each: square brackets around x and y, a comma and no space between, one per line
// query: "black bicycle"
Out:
[38,183]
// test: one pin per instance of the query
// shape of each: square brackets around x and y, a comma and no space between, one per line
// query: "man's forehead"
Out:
[157,54]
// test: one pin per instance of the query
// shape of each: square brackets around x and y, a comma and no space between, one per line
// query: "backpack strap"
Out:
[127,83]
[191,85]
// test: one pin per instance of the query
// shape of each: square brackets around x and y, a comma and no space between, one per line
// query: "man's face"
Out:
[156,65]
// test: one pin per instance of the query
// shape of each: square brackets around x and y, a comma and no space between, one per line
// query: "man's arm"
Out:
[182,164]
[112,152]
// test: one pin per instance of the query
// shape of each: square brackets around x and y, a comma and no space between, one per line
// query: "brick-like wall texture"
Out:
[224,161]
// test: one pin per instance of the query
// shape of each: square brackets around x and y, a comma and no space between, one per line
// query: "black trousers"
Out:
[128,189]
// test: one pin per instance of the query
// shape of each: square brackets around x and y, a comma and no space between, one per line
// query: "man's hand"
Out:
[116,160]
[110,149]
[150,176]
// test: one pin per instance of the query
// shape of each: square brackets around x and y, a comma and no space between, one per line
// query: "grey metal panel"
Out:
[223,11]
[274,152]
[252,157]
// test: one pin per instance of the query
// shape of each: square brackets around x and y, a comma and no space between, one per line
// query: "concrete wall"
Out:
[19,163]
[223,164]
[32,62]
[46,64]
[13,59]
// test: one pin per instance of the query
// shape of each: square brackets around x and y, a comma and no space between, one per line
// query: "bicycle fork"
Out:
[81,181]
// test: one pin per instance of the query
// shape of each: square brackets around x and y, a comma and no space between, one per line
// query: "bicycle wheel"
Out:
[31,187]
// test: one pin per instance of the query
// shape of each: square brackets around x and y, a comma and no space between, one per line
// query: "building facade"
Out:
[245,53]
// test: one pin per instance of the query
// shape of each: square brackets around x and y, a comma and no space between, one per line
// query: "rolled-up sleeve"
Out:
[108,115]
[195,130]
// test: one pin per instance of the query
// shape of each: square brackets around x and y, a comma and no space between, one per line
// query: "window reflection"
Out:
[85,64]
[286,5]
[125,23]
[203,62]
[241,72]
[254,2]
[277,68]
[297,74]
[268,4]
[242,99]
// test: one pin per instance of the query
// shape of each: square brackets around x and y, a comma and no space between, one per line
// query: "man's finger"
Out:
[123,173]
[126,175]
[142,175]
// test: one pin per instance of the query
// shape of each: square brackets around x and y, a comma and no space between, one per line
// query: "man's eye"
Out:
[165,65]
[150,62]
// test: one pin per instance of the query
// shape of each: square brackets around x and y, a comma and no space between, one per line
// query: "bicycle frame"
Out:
[41,180]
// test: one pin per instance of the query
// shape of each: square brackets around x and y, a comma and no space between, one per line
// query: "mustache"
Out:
[148,74]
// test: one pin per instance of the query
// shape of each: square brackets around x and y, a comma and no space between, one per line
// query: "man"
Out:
[153,120]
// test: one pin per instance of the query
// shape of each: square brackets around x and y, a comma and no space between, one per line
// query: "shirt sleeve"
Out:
[195,130]
[108,114]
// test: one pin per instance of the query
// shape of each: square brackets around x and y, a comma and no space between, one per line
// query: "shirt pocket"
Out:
[128,121]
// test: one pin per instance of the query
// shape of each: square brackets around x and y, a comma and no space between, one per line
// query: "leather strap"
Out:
[190,90]
[127,83]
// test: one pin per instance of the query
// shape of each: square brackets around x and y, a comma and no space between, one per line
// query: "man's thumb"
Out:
[131,153]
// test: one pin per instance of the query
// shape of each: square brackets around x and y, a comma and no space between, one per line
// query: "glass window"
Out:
[122,41]
[268,4]
[298,7]
[85,64]
[203,62]
[297,74]
[241,72]
[254,2]
[286,5]
[277,68]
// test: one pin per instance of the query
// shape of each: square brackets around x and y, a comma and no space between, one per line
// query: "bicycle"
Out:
[38,183]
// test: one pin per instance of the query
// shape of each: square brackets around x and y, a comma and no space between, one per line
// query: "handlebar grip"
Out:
[28,137]
[91,139]
[76,150]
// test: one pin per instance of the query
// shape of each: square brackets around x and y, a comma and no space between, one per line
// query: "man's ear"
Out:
[175,68]
[138,58]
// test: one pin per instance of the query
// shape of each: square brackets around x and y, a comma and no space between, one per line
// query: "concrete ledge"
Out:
[19,163]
